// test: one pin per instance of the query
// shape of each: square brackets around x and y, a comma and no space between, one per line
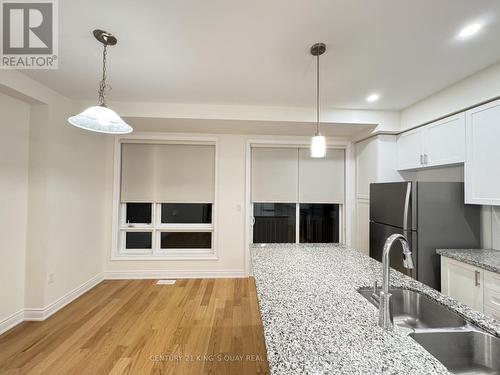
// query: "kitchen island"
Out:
[315,321]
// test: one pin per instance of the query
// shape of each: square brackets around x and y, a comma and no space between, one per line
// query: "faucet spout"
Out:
[386,320]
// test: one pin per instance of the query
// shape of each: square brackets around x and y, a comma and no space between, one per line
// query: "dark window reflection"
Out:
[319,223]
[274,223]
[186,240]
[139,213]
[200,213]
[138,240]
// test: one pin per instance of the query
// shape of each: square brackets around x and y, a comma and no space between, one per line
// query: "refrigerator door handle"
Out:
[407,207]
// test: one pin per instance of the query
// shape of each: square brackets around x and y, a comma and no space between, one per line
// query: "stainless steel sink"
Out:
[414,310]
[463,352]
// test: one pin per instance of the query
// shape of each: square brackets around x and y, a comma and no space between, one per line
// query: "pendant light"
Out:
[318,141]
[100,118]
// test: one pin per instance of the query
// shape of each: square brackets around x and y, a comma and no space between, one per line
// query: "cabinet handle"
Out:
[421,159]
[477,279]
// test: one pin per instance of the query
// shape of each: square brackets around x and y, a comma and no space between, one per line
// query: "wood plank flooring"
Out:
[197,326]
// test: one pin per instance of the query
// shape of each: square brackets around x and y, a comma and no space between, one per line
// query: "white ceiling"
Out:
[257,52]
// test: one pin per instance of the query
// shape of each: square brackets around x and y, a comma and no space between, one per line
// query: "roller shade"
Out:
[168,173]
[138,174]
[321,180]
[274,174]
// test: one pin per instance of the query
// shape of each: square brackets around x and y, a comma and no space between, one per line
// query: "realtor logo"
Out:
[29,34]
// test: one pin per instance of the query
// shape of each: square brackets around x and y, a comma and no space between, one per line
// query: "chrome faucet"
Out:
[385,318]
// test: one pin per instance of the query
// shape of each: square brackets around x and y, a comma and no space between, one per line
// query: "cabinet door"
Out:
[410,150]
[462,282]
[444,141]
[482,179]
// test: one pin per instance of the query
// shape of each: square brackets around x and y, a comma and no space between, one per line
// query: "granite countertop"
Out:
[482,258]
[315,322]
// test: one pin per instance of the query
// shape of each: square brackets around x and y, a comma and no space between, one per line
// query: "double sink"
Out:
[457,344]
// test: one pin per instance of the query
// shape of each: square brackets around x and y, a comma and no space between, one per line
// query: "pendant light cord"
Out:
[102,84]
[317,95]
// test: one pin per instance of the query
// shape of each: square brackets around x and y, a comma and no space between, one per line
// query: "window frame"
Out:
[118,251]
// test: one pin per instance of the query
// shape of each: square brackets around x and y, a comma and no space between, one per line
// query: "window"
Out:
[186,213]
[138,240]
[177,226]
[138,213]
[186,240]
[313,188]
[319,223]
[274,223]
[166,206]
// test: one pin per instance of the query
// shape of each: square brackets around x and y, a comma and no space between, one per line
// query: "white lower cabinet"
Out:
[462,282]
[492,294]
[473,286]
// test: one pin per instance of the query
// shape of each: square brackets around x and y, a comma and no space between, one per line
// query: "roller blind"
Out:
[321,180]
[138,175]
[168,173]
[274,174]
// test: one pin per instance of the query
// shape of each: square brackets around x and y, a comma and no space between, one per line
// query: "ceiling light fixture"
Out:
[372,98]
[318,141]
[469,30]
[100,118]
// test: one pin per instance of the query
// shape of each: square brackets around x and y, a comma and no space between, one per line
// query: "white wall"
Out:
[63,230]
[444,174]
[66,205]
[490,226]
[14,148]
[478,88]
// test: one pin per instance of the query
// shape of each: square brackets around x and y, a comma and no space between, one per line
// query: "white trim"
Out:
[38,314]
[11,321]
[166,138]
[173,274]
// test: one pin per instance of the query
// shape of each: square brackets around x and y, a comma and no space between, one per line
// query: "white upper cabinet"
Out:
[444,141]
[410,149]
[439,143]
[482,166]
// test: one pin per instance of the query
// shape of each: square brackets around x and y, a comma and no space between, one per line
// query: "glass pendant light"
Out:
[100,118]
[318,141]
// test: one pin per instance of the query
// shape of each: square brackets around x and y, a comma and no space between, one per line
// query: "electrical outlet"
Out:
[51,278]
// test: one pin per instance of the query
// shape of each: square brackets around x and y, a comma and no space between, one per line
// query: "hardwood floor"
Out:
[197,326]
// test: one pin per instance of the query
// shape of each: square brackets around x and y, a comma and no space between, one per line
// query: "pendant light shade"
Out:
[318,142]
[100,118]
[318,146]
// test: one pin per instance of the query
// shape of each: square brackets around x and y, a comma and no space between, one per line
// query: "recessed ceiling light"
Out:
[373,98]
[469,30]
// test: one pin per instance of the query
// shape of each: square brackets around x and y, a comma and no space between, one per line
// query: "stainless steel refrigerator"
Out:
[430,215]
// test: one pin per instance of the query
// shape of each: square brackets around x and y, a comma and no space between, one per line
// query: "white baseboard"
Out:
[11,321]
[38,314]
[173,274]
